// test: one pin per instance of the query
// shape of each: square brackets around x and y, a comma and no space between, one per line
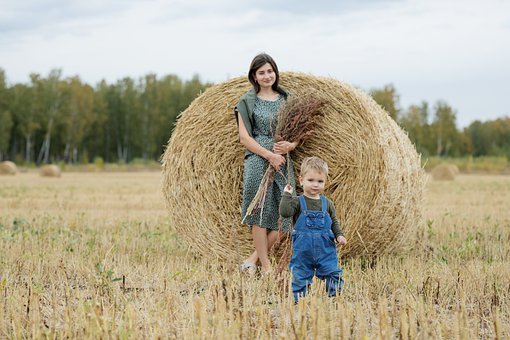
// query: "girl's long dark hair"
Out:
[259,61]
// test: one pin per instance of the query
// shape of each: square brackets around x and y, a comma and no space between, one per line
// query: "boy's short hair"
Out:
[314,163]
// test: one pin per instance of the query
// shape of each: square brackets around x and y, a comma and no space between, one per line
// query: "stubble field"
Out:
[91,255]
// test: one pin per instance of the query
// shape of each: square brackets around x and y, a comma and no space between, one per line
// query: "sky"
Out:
[456,51]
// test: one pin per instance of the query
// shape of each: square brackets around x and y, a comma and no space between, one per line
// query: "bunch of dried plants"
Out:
[296,121]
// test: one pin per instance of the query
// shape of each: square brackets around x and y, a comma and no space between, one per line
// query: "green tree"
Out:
[464,143]
[415,121]
[444,130]
[480,138]
[66,118]
[6,122]
[175,97]
[388,98]
[123,114]
[499,130]
[24,116]
[490,138]
[150,116]
[170,105]
[48,104]
[78,116]
[97,141]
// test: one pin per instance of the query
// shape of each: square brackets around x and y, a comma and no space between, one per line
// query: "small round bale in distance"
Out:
[8,168]
[375,179]
[455,169]
[444,172]
[50,170]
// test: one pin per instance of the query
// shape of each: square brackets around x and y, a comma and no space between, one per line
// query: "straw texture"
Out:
[8,168]
[375,178]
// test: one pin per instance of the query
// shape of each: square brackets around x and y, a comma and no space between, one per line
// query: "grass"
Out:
[136,165]
[91,255]
[480,165]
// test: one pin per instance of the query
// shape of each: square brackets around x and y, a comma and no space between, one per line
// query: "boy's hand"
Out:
[288,188]
[341,241]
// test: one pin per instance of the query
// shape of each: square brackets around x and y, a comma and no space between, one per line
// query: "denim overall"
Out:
[314,251]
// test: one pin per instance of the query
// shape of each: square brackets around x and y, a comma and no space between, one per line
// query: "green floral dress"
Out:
[264,124]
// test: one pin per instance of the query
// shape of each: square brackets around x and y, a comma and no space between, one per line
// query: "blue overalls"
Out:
[314,251]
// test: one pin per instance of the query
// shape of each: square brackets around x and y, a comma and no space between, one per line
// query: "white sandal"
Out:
[249,268]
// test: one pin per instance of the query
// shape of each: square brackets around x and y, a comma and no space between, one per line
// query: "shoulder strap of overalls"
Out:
[324,204]
[302,203]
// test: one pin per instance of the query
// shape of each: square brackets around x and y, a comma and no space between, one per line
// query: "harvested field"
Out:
[92,255]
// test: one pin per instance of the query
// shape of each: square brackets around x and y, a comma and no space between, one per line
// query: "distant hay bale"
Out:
[50,170]
[455,169]
[444,172]
[8,168]
[375,177]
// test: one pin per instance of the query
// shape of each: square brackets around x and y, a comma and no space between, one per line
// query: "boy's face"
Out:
[313,182]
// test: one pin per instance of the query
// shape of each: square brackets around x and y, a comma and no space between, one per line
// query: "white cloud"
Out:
[451,50]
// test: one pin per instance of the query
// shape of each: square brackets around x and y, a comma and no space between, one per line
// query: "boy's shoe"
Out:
[248,268]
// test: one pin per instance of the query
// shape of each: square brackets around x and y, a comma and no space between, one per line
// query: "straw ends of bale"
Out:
[49,170]
[8,168]
[444,172]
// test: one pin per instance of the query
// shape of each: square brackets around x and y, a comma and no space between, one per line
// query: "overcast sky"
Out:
[456,51]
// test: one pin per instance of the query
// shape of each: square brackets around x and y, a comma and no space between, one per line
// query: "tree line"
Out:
[53,119]
[433,128]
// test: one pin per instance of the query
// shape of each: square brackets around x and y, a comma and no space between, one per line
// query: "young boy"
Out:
[316,229]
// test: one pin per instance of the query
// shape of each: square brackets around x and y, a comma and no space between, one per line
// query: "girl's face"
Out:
[313,183]
[265,76]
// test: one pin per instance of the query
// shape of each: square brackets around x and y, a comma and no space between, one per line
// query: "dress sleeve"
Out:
[242,108]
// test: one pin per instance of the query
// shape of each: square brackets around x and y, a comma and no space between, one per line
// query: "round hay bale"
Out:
[444,172]
[455,169]
[8,168]
[49,170]
[375,177]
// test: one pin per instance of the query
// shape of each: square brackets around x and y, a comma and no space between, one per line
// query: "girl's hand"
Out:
[288,188]
[276,161]
[341,241]
[283,147]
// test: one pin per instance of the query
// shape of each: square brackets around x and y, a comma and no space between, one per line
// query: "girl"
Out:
[256,114]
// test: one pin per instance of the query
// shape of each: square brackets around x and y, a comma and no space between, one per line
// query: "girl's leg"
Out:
[272,238]
[260,241]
